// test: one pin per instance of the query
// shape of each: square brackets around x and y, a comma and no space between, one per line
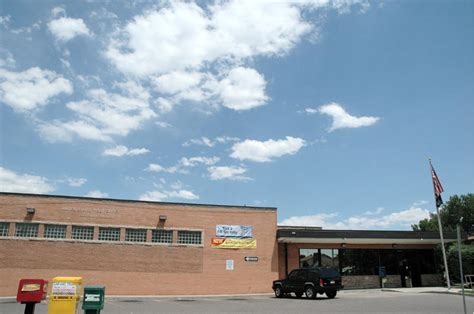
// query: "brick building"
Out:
[158,248]
[126,246]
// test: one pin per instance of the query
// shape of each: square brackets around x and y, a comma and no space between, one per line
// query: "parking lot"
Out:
[364,301]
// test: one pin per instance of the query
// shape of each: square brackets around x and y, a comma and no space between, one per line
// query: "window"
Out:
[309,258]
[4,227]
[135,235]
[109,234]
[427,261]
[319,257]
[26,230]
[162,236]
[328,272]
[293,275]
[359,262]
[389,259]
[55,231]
[330,258]
[82,233]
[189,237]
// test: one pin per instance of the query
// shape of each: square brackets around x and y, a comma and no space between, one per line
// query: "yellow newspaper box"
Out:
[65,295]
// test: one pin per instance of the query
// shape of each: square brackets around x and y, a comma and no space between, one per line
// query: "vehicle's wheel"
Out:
[279,292]
[331,295]
[310,292]
[299,294]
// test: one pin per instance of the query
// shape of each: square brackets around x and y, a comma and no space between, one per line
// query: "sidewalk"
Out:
[443,290]
[468,292]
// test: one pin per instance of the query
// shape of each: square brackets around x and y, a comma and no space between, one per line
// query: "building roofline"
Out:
[134,201]
[312,232]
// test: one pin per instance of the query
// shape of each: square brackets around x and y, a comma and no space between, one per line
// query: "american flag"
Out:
[438,188]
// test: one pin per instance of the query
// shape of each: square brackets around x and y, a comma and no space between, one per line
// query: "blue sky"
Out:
[328,110]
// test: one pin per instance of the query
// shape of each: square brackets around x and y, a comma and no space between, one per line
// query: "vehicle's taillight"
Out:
[321,282]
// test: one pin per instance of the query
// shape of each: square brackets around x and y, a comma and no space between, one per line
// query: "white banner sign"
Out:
[233,231]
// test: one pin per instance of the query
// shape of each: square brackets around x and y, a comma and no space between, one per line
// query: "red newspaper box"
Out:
[30,292]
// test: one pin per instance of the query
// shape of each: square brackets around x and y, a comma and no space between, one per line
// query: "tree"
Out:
[455,208]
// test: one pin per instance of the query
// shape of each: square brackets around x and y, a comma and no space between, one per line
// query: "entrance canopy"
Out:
[287,234]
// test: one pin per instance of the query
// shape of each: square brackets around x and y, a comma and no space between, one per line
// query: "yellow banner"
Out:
[231,243]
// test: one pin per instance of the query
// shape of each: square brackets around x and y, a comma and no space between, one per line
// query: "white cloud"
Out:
[198,53]
[58,11]
[420,203]
[96,194]
[102,115]
[184,194]
[192,42]
[188,37]
[311,110]
[5,20]
[76,182]
[267,150]
[164,195]
[242,89]
[194,161]
[57,131]
[121,150]
[377,211]
[396,220]
[204,141]
[163,125]
[228,173]
[226,139]
[341,119]
[183,164]
[6,59]
[30,89]
[177,81]
[65,28]
[23,183]
[155,168]
[178,185]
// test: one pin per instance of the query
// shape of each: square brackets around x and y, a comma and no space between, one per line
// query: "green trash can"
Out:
[93,300]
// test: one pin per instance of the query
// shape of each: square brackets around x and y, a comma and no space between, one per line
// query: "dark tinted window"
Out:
[304,275]
[358,262]
[328,272]
[389,259]
[293,275]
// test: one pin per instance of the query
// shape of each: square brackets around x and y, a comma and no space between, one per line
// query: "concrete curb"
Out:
[188,296]
[452,292]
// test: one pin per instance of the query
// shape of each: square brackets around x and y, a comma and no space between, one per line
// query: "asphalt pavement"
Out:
[351,301]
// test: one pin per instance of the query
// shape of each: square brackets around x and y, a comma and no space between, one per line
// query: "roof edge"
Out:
[134,201]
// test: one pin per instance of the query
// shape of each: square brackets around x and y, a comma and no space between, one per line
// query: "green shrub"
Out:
[467,251]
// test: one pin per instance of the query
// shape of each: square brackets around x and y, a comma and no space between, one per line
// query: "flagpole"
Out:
[440,231]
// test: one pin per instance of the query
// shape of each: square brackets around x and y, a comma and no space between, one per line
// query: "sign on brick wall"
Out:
[231,243]
[233,231]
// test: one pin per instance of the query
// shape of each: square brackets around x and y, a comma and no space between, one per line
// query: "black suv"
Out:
[309,281]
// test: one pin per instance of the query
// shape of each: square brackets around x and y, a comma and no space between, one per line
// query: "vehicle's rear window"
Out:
[329,272]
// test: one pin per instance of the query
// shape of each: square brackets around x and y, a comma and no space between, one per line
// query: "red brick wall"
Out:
[138,269]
